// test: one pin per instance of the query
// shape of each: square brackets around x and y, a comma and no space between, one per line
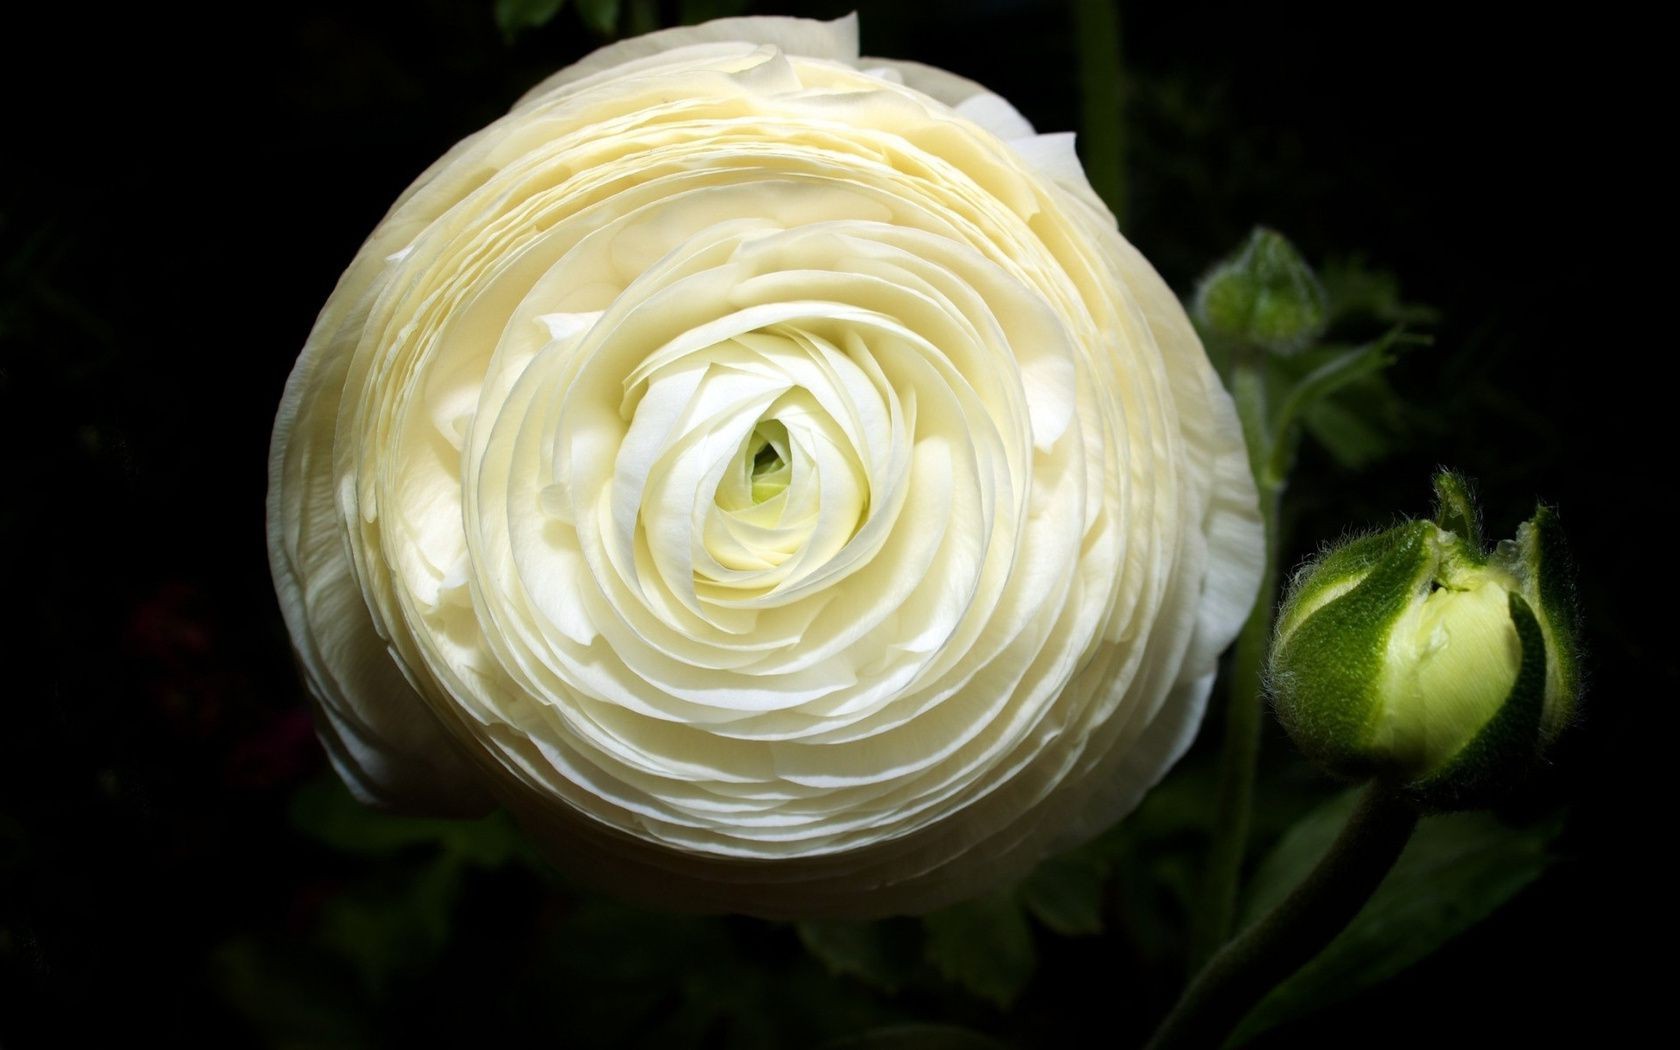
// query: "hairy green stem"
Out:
[1244,706]
[1102,92]
[1297,929]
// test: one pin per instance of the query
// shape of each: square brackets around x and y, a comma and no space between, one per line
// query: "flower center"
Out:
[771,469]
[790,485]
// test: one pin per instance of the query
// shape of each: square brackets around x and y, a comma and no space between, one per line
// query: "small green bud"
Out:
[1264,294]
[1415,657]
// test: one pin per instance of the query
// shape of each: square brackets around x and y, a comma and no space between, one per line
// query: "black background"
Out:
[181,189]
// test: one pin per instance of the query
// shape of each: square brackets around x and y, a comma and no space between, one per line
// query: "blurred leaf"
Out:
[324,810]
[984,946]
[1363,420]
[394,926]
[1168,831]
[1155,855]
[1359,416]
[599,15]
[1456,871]
[607,943]
[516,16]
[289,996]
[1295,854]
[1065,893]
[705,10]
[1354,438]
[603,973]
[607,974]
[805,1006]
[1358,291]
[916,1037]
[1177,810]
[883,954]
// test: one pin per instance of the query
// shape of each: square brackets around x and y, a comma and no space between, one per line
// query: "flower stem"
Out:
[1297,929]
[1102,89]
[1211,924]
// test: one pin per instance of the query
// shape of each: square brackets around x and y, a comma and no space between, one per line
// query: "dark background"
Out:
[178,193]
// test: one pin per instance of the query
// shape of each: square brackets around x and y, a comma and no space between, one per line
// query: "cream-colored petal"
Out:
[836,41]
[968,98]
[380,736]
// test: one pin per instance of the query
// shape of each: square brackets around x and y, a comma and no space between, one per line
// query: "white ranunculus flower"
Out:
[767,472]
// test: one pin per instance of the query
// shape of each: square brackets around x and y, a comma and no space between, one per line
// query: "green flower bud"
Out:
[1416,657]
[1264,294]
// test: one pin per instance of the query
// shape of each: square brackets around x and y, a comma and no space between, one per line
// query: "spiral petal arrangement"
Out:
[768,473]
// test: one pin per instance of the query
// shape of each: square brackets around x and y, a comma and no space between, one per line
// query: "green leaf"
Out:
[1457,870]
[1155,856]
[1334,372]
[513,17]
[1355,439]
[1065,893]
[916,1037]
[1173,817]
[325,811]
[394,925]
[290,995]
[984,946]
[600,15]
[883,954]
[608,974]
[1295,854]
[1358,291]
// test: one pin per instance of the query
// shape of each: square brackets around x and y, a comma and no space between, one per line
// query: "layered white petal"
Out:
[767,472]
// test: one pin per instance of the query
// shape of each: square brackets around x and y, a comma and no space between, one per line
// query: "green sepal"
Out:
[1264,295]
[1323,674]
[1549,585]
[1329,569]
[1502,751]
[1456,510]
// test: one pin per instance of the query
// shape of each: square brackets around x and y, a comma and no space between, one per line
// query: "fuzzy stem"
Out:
[1297,929]
[1212,922]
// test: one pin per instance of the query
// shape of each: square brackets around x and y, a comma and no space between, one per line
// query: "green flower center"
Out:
[770,471]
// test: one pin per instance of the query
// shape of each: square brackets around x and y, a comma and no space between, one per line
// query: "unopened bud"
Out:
[1415,657]
[1264,294]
